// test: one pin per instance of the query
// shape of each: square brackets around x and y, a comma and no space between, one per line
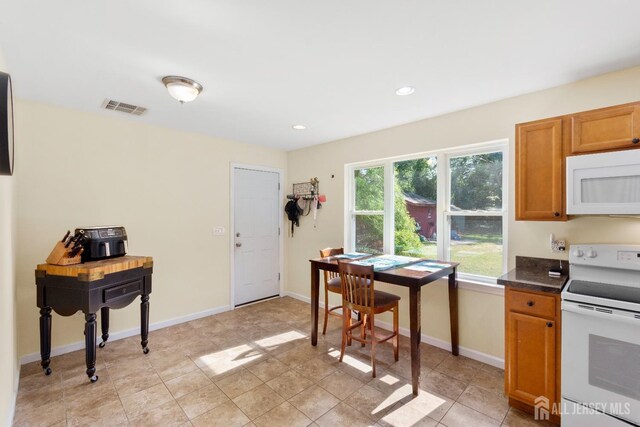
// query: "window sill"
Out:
[486,288]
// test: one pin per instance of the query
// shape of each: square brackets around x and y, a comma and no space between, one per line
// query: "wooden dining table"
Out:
[409,278]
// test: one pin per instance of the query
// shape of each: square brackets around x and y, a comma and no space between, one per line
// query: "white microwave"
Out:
[604,183]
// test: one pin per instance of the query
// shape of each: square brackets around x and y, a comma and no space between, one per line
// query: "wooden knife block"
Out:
[60,255]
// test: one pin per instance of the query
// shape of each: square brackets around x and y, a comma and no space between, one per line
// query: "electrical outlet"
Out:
[218,231]
[559,245]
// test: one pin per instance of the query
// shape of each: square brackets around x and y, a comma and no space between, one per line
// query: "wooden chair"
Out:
[358,294]
[331,284]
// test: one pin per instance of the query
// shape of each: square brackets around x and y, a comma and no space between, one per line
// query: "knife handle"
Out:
[75,251]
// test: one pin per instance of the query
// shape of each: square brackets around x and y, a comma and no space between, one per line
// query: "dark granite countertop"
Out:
[533,274]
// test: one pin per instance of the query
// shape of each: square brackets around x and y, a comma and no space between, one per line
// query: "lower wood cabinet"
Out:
[532,359]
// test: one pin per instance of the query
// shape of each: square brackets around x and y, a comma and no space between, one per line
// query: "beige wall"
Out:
[481,315]
[9,360]
[168,188]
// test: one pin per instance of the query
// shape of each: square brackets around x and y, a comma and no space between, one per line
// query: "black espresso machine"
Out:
[103,242]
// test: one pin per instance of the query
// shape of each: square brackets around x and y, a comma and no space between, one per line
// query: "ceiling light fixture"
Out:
[182,88]
[299,127]
[406,90]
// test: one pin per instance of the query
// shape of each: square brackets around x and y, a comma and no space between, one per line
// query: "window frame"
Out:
[350,223]
[443,200]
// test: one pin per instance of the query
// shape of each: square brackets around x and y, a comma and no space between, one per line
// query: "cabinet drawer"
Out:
[534,304]
[122,290]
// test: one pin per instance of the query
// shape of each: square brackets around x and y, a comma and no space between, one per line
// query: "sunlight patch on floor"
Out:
[389,379]
[225,360]
[274,341]
[355,363]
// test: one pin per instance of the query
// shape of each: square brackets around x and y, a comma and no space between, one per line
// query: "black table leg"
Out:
[45,339]
[144,322]
[104,325]
[315,297]
[90,332]
[415,331]
[453,311]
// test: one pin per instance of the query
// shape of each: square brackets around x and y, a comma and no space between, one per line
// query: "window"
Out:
[415,213]
[444,205]
[475,213]
[369,209]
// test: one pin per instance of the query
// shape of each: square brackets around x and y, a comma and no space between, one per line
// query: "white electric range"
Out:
[601,337]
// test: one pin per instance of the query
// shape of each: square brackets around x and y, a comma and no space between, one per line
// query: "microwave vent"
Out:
[123,107]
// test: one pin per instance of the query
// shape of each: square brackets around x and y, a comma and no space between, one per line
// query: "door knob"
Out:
[238,245]
[635,140]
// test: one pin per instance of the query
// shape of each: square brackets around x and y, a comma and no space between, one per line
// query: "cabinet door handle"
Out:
[556,214]
[549,324]
[530,303]
[635,140]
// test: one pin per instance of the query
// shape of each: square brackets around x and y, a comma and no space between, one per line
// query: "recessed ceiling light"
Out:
[406,90]
[299,127]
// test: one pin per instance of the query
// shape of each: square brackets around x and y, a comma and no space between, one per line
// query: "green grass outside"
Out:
[479,254]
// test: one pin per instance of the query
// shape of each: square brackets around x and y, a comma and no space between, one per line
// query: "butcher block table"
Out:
[412,279]
[89,287]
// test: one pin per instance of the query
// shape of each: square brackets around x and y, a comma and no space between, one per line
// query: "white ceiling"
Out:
[332,65]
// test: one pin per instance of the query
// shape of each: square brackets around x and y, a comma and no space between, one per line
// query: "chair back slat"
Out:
[325,253]
[357,286]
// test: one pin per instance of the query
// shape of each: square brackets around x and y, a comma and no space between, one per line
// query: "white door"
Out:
[256,235]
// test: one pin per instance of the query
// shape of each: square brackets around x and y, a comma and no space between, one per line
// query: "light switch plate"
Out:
[218,230]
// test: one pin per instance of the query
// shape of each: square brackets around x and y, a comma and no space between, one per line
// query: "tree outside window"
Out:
[470,213]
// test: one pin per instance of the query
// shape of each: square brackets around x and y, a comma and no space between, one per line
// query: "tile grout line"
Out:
[172,396]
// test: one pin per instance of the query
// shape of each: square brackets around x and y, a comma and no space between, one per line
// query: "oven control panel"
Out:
[629,256]
[625,257]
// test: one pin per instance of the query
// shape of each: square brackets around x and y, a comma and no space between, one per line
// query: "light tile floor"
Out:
[255,366]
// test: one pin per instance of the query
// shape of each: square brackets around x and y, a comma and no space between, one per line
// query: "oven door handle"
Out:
[591,311]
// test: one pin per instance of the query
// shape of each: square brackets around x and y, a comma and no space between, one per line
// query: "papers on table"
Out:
[386,262]
[351,255]
[427,266]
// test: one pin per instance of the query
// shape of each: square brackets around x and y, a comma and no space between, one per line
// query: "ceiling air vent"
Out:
[123,107]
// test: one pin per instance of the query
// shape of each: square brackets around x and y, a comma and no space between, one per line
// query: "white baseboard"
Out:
[56,351]
[14,398]
[436,342]
[301,297]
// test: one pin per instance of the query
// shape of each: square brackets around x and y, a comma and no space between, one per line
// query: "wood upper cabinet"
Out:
[532,359]
[542,147]
[540,181]
[611,128]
